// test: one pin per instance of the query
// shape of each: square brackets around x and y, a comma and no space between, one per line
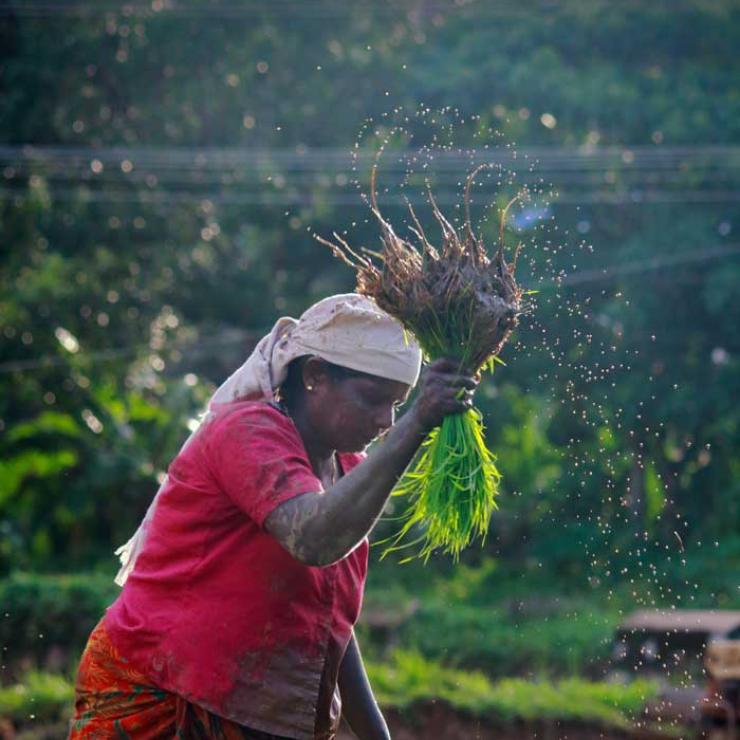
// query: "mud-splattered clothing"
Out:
[113,700]
[216,611]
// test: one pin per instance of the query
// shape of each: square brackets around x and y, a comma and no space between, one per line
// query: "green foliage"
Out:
[114,443]
[40,697]
[654,494]
[32,463]
[549,636]
[409,678]
[41,613]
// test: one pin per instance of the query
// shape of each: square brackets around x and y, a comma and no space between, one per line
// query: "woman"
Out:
[242,585]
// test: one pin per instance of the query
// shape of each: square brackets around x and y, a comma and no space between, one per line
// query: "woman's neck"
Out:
[320,456]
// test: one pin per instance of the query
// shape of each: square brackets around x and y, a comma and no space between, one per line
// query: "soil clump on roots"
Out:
[455,299]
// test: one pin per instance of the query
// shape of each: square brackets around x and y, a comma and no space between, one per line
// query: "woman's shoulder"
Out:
[252,422]
[256,411]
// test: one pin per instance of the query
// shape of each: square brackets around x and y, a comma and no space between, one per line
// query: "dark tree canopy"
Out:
[163,170]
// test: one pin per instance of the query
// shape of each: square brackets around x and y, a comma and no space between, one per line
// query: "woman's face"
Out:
[349,413]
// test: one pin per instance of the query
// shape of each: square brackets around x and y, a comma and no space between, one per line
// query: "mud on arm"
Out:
[322,527]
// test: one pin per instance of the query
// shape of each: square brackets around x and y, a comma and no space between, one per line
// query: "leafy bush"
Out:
[409,678]
[41,697]
[520,635]
[41,612]
[504,643]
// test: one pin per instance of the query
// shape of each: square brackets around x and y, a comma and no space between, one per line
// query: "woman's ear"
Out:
[314,375]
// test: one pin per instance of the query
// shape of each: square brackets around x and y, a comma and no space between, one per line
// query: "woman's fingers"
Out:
[445,390]
[457,381]
[456,397]
[457,405]
[449,365]
[465,381]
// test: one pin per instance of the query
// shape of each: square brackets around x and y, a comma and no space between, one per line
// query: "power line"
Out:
[620,175]
[634,197]
[311,158]
[578,278]
[156,179]
[653,263]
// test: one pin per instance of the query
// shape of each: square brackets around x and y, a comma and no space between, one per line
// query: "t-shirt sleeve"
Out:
[350,460]
[258,460]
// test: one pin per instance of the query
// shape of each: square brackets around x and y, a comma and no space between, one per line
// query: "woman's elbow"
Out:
[314,553]
[306,541]
[316,557]
[306,552]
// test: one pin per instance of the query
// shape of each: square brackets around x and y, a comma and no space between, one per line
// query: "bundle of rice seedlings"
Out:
[458,302]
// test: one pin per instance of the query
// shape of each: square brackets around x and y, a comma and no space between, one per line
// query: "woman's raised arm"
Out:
[320,528]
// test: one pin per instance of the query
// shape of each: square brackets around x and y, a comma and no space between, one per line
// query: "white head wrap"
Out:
[346,329]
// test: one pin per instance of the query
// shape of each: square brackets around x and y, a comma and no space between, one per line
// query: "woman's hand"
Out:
[443,391]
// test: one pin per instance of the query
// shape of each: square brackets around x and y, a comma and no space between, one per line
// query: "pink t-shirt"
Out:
[215,609]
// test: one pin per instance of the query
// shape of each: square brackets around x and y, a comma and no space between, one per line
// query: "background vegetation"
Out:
[163,166]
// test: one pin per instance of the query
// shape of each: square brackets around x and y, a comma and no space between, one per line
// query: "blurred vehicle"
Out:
[721,704]
[694,654]
[670,643]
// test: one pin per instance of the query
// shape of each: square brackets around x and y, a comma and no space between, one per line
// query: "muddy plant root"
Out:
[458,302]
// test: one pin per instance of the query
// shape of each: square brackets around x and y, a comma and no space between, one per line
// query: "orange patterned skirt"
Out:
[113,700]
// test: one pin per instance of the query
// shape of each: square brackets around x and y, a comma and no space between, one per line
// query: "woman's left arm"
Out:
[359,707]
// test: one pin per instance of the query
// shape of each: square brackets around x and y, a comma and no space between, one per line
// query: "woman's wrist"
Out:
[417,426]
